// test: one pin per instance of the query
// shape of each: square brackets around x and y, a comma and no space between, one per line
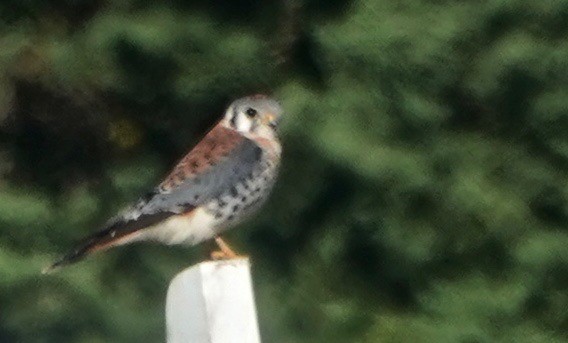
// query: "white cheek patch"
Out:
[243,123]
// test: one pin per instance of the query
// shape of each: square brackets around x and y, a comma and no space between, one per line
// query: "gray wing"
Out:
[200,188]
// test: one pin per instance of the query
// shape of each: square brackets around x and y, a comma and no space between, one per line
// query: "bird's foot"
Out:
[225,252]
[218,255]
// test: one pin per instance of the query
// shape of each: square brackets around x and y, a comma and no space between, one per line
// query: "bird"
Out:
[223,180]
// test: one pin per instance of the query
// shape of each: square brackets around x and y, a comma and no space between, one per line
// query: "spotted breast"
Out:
[247,194]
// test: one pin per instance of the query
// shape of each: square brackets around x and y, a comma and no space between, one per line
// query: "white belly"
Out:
[183,229]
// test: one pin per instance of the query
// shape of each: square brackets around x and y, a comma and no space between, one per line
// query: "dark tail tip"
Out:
[68,259]
[52,268]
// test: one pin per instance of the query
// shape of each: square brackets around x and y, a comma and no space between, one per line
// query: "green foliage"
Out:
[424,191]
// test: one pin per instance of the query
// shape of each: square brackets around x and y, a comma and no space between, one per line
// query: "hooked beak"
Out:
[270,120]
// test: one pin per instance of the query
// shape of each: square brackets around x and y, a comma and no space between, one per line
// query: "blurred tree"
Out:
[424,195]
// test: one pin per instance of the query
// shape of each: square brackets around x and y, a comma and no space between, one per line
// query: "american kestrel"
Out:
[223,179]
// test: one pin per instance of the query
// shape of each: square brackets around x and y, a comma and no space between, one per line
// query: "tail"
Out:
[117,233]
[101,240]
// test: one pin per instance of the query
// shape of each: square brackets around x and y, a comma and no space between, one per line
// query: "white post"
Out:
[212,302]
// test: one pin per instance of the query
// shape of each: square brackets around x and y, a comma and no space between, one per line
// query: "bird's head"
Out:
[257,115]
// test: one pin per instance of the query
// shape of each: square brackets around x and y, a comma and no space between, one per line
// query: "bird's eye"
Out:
[251,112]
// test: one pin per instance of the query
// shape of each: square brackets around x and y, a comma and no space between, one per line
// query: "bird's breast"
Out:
[244,197]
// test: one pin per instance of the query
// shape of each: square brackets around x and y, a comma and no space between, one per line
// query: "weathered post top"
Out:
[212,302]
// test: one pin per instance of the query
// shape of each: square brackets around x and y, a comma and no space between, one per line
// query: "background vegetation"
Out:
[424,191]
